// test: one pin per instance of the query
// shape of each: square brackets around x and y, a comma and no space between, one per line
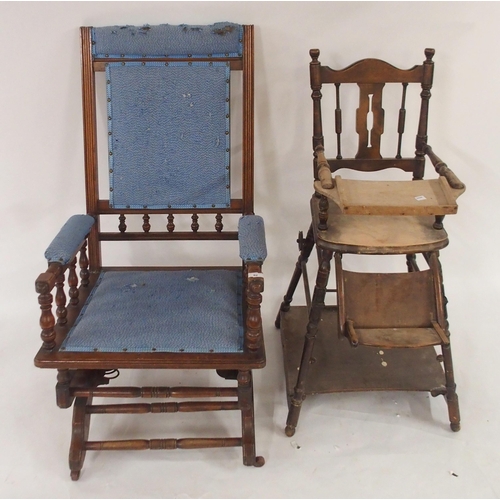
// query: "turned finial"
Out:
[314,53]
[429,54]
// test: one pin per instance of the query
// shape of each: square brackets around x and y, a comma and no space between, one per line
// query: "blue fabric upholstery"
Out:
[65,245]
[168,134]
[252,238]
[217,40]
[165,311]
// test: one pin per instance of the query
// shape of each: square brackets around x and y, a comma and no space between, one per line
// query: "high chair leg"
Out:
[317,306]
[305,245]
[451,395]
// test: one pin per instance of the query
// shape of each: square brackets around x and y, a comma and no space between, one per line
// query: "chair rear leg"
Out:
[441,301]
[305,246]
[245,398]
[79,436]
[451,394]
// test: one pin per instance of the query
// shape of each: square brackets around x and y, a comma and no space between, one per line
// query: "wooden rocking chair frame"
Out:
[82,375]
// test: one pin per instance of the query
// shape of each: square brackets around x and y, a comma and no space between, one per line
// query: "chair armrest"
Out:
[443,170]
[323,168]
[252,238]
[69,239]
[47,280]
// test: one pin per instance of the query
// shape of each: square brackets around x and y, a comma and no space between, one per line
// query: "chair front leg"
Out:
[79,436]
[317,306]
[245,398]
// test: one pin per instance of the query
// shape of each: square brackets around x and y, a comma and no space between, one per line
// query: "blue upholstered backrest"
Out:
[165,40]
[168,122]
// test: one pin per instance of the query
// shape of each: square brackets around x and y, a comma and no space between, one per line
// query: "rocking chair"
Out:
[167,92]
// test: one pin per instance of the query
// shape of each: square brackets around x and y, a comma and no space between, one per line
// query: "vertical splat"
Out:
[370,120]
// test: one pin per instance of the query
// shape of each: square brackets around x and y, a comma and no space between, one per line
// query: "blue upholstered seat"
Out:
[166,311]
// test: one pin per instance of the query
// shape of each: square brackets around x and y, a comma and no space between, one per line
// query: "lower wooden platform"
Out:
[339,367]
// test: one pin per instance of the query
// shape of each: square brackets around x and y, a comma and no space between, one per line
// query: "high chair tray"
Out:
[418,197]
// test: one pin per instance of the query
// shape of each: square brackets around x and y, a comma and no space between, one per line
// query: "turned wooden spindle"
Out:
[43,286]
[401,120]
[315,71]
[170,225]
[73,283]
[122,226]
[421,140]
[61,311]
[191,406]
[195,226]
[218,224]
[84,266]
[156,392]
[254,289]
[323,213]
[47,321]
[146,226]
[338,121]
[162,444]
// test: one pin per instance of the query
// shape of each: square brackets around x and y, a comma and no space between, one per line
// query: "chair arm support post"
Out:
[443,169]
[253,320]
[253,252]
[47,280]
[44,285]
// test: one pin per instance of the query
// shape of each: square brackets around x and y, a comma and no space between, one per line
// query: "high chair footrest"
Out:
[398,337]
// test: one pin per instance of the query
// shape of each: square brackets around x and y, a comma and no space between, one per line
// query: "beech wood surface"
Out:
[382,333]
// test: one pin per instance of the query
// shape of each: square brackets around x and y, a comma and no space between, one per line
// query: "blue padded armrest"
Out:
[252,238]
[65,245]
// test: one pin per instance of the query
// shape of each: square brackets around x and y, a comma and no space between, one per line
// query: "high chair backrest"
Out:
[371,76]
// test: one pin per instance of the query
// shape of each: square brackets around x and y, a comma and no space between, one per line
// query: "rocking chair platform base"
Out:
[339,367]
